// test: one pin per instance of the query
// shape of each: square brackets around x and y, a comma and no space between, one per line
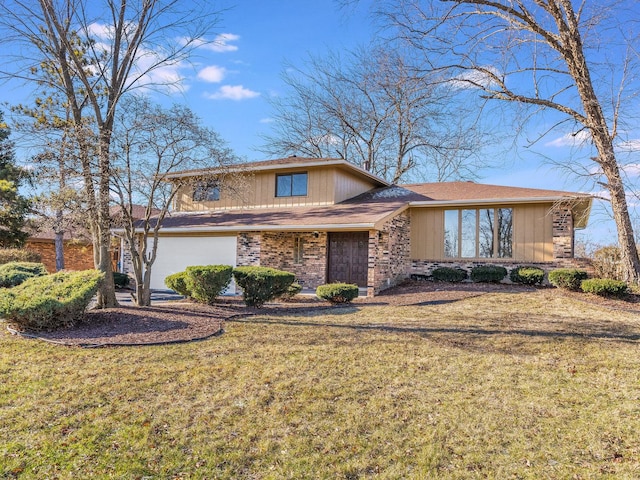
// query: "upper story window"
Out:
[478,233]
[206,191]
[291,185]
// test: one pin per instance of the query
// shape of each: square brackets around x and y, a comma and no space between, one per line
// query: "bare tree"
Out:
[151,143]
[370,109]
[570,58]
[93,53]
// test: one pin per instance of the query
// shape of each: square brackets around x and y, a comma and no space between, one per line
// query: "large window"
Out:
[208,191]
[291,185]
[478,233]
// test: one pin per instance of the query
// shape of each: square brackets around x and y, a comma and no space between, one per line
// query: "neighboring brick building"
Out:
[78,252]
[327,220]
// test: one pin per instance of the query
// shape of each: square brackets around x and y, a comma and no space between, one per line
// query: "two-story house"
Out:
[327,220]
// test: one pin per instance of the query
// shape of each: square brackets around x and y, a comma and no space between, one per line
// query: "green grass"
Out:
[498,386]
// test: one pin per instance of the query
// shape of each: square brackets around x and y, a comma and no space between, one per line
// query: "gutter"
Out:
[440,203]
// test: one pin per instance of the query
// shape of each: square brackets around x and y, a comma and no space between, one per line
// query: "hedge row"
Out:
[259,284]
[49,301]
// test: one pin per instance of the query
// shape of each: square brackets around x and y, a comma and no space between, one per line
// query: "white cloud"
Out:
[570,139]
[630,145]
[222,43]
[474,78]
[267,120]
[232,92]
[212,74]
[631,169]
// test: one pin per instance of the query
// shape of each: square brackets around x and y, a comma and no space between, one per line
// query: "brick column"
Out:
[248,250]
[562,232]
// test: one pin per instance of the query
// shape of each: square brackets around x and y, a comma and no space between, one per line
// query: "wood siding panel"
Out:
[325,186]
[427,233]
[532,233]
[348,186]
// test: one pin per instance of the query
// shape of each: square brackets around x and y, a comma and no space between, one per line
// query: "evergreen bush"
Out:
[262,284]
[488,273]
[567,278]
[337,292]
[205,283]
[18,255]
[15,273]
[448,274]
[293,290]
[49,301]
[178,283]
[605,287]
[527,275]
[121,280]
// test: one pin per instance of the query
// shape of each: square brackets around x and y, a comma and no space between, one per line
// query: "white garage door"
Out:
[177,253]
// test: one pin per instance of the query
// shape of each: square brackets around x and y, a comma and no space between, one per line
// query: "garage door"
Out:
[177,253]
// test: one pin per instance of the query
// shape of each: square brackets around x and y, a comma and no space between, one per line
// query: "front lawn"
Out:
[502,385]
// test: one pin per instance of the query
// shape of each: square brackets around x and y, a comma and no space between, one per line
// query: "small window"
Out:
[291,185]
[206,191]
[298,250]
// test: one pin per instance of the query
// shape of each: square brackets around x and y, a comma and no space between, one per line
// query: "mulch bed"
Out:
[183,321]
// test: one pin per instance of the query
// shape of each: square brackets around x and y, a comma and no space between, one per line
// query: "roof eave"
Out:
[239,168]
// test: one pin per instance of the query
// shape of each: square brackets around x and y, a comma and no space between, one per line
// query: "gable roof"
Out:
[370,209]
[281,164]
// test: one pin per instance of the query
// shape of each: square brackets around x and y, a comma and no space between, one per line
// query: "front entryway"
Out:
[348,257]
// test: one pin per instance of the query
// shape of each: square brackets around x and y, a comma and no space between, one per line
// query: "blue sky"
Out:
[228,85]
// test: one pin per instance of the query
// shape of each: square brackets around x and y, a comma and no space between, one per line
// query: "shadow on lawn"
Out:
[575,329]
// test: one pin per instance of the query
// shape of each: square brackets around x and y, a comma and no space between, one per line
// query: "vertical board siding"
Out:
[532,233]
[427,233]
[325,186]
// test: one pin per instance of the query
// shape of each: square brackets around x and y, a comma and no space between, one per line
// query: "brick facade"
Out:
[562,232]
[248,249]
[77,255]
[389,254]
[309,263]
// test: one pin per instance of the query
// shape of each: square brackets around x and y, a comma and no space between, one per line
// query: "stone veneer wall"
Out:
[389,254]
[276,250]
[248,249]
[562,232]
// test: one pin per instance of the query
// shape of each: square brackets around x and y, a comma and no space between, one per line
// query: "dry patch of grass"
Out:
[522,385]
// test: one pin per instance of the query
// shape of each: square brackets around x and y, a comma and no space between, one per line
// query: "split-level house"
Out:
[327,220]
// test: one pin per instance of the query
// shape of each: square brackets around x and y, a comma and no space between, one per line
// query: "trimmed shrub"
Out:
[605,287]
[337,292]
[205,283]
[488,273]
[261,284]
[178,283]
[293,290]
[8,255]
[527,275]
[50,301]
[15,273]
[567,278]
[448,274]
[120,279]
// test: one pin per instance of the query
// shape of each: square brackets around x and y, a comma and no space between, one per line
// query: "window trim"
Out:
[496,243]
[291,175]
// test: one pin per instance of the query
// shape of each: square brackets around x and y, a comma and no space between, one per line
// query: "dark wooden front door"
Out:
[348,257]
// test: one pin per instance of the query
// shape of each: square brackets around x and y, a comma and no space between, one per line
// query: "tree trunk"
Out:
[59,247]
